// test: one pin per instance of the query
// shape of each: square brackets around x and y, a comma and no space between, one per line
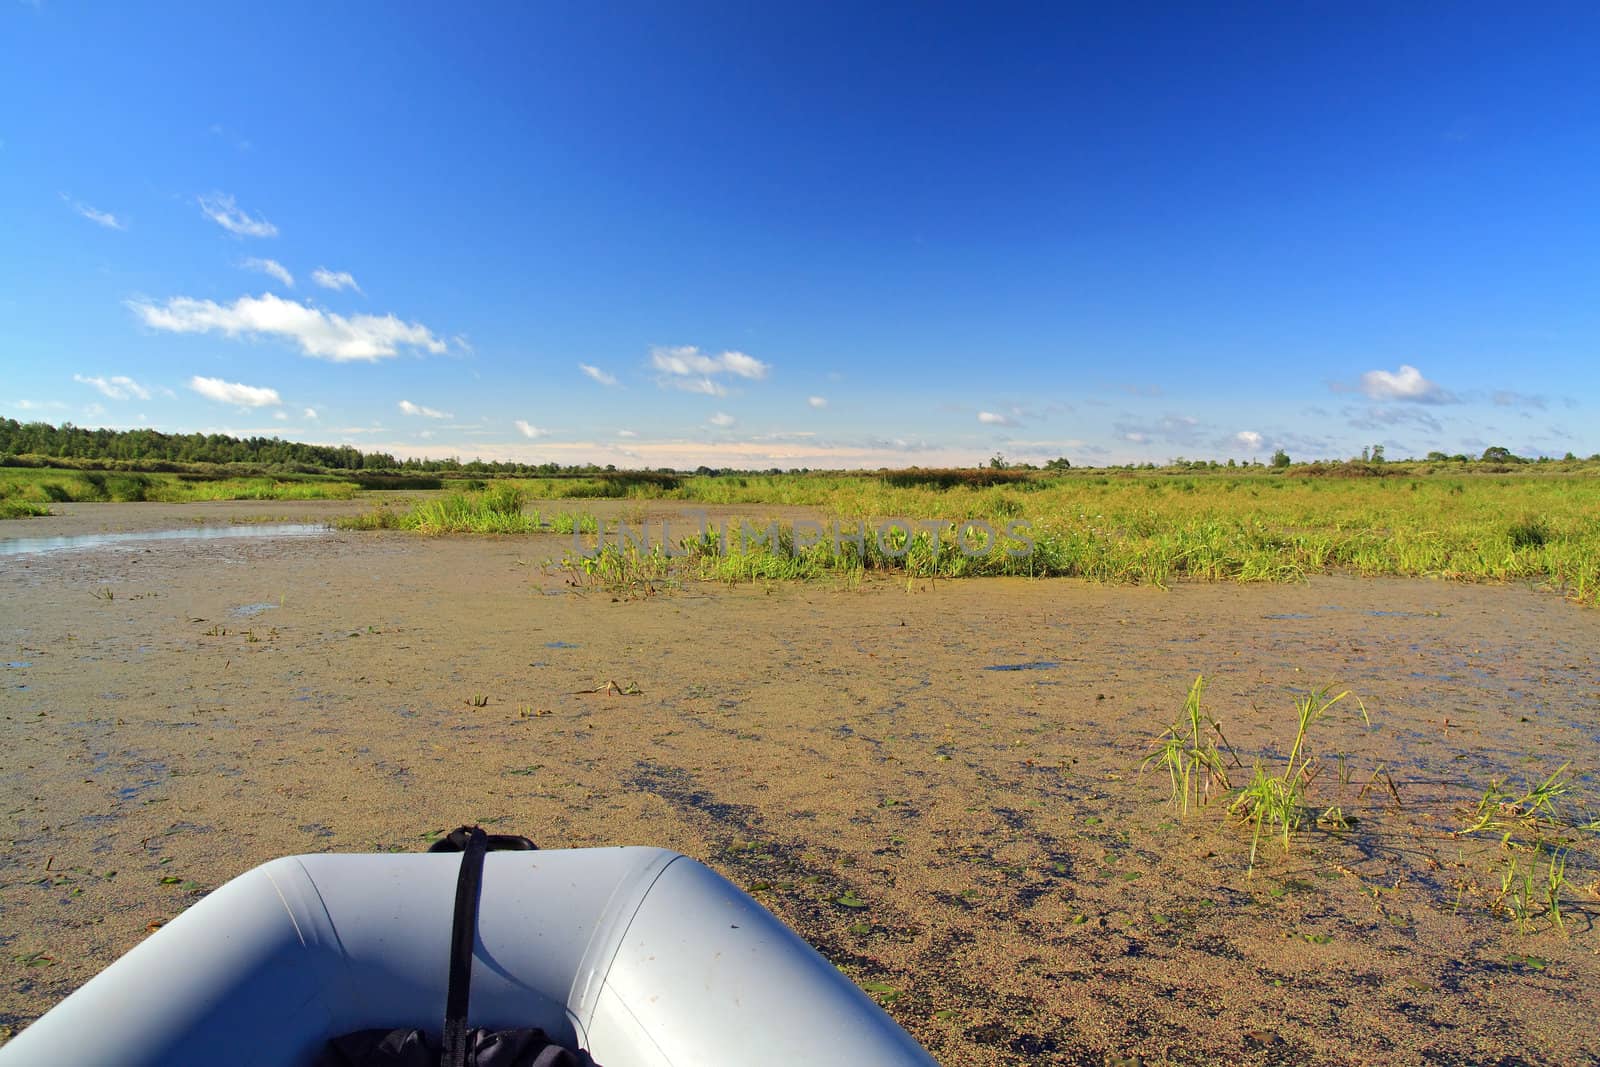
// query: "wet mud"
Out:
[938,785]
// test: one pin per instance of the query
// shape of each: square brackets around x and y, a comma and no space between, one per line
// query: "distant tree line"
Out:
[151,449]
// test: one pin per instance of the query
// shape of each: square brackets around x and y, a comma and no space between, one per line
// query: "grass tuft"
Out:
[1274,801]
[1188,751]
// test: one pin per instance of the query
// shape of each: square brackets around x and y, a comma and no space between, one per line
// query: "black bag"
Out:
[460,1047]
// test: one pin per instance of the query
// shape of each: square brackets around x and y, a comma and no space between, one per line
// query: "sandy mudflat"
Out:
[1028,895]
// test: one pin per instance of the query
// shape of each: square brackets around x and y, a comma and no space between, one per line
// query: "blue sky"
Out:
[820,236]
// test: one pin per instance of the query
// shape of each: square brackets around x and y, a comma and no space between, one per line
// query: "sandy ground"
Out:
[977,846]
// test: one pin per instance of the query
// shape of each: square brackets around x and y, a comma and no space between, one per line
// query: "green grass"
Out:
[1127,527]
[1274,801]
[1539,832]
[1542,832]
[1187,750]
[1106,527]
[30,491]
[495,510]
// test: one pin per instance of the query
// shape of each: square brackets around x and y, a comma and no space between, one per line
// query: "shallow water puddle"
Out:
[23,546]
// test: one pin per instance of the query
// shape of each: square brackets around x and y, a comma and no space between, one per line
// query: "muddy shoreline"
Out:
[1028,894]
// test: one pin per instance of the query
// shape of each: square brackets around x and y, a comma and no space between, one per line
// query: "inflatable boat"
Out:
[639,956]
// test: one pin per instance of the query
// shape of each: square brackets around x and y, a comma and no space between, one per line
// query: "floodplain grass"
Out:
[1132,528]
[30,491]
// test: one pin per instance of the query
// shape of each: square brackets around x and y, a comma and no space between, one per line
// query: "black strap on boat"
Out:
[473,844]
[463,932]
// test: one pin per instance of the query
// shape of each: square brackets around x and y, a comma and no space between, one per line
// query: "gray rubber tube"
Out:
[639,955]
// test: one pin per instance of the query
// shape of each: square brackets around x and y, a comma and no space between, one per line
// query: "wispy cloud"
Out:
[722,420]
[272,267]
[1507,398]
[1385,418]
[117,387]
[694,385]
[598,375]
[336,280]
[428,413]
[245,396]
[992,418]
[1407,384]
[686,367]
[224,211]
[627,433]
[318,333]
[1172,429]
[93,214]
[817,401]
[309,413]
[529,430]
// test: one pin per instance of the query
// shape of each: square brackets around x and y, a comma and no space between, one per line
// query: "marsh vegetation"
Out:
[1147,529]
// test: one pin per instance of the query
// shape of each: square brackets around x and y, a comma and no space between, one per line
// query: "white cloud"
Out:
[428,413]
[722,419]
[309,413]
[94,409]
[695,385]
[627,433]
[1405,384]
[686,367]
[990,418]
[272,267]
[280,416]
[116,388]
[318,333]
[335,279]
[221,209]
[528,430]
[1249,440]
[744,366]
[246,396]
[103,218]
[462,344]
[598,375]
[817,401]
